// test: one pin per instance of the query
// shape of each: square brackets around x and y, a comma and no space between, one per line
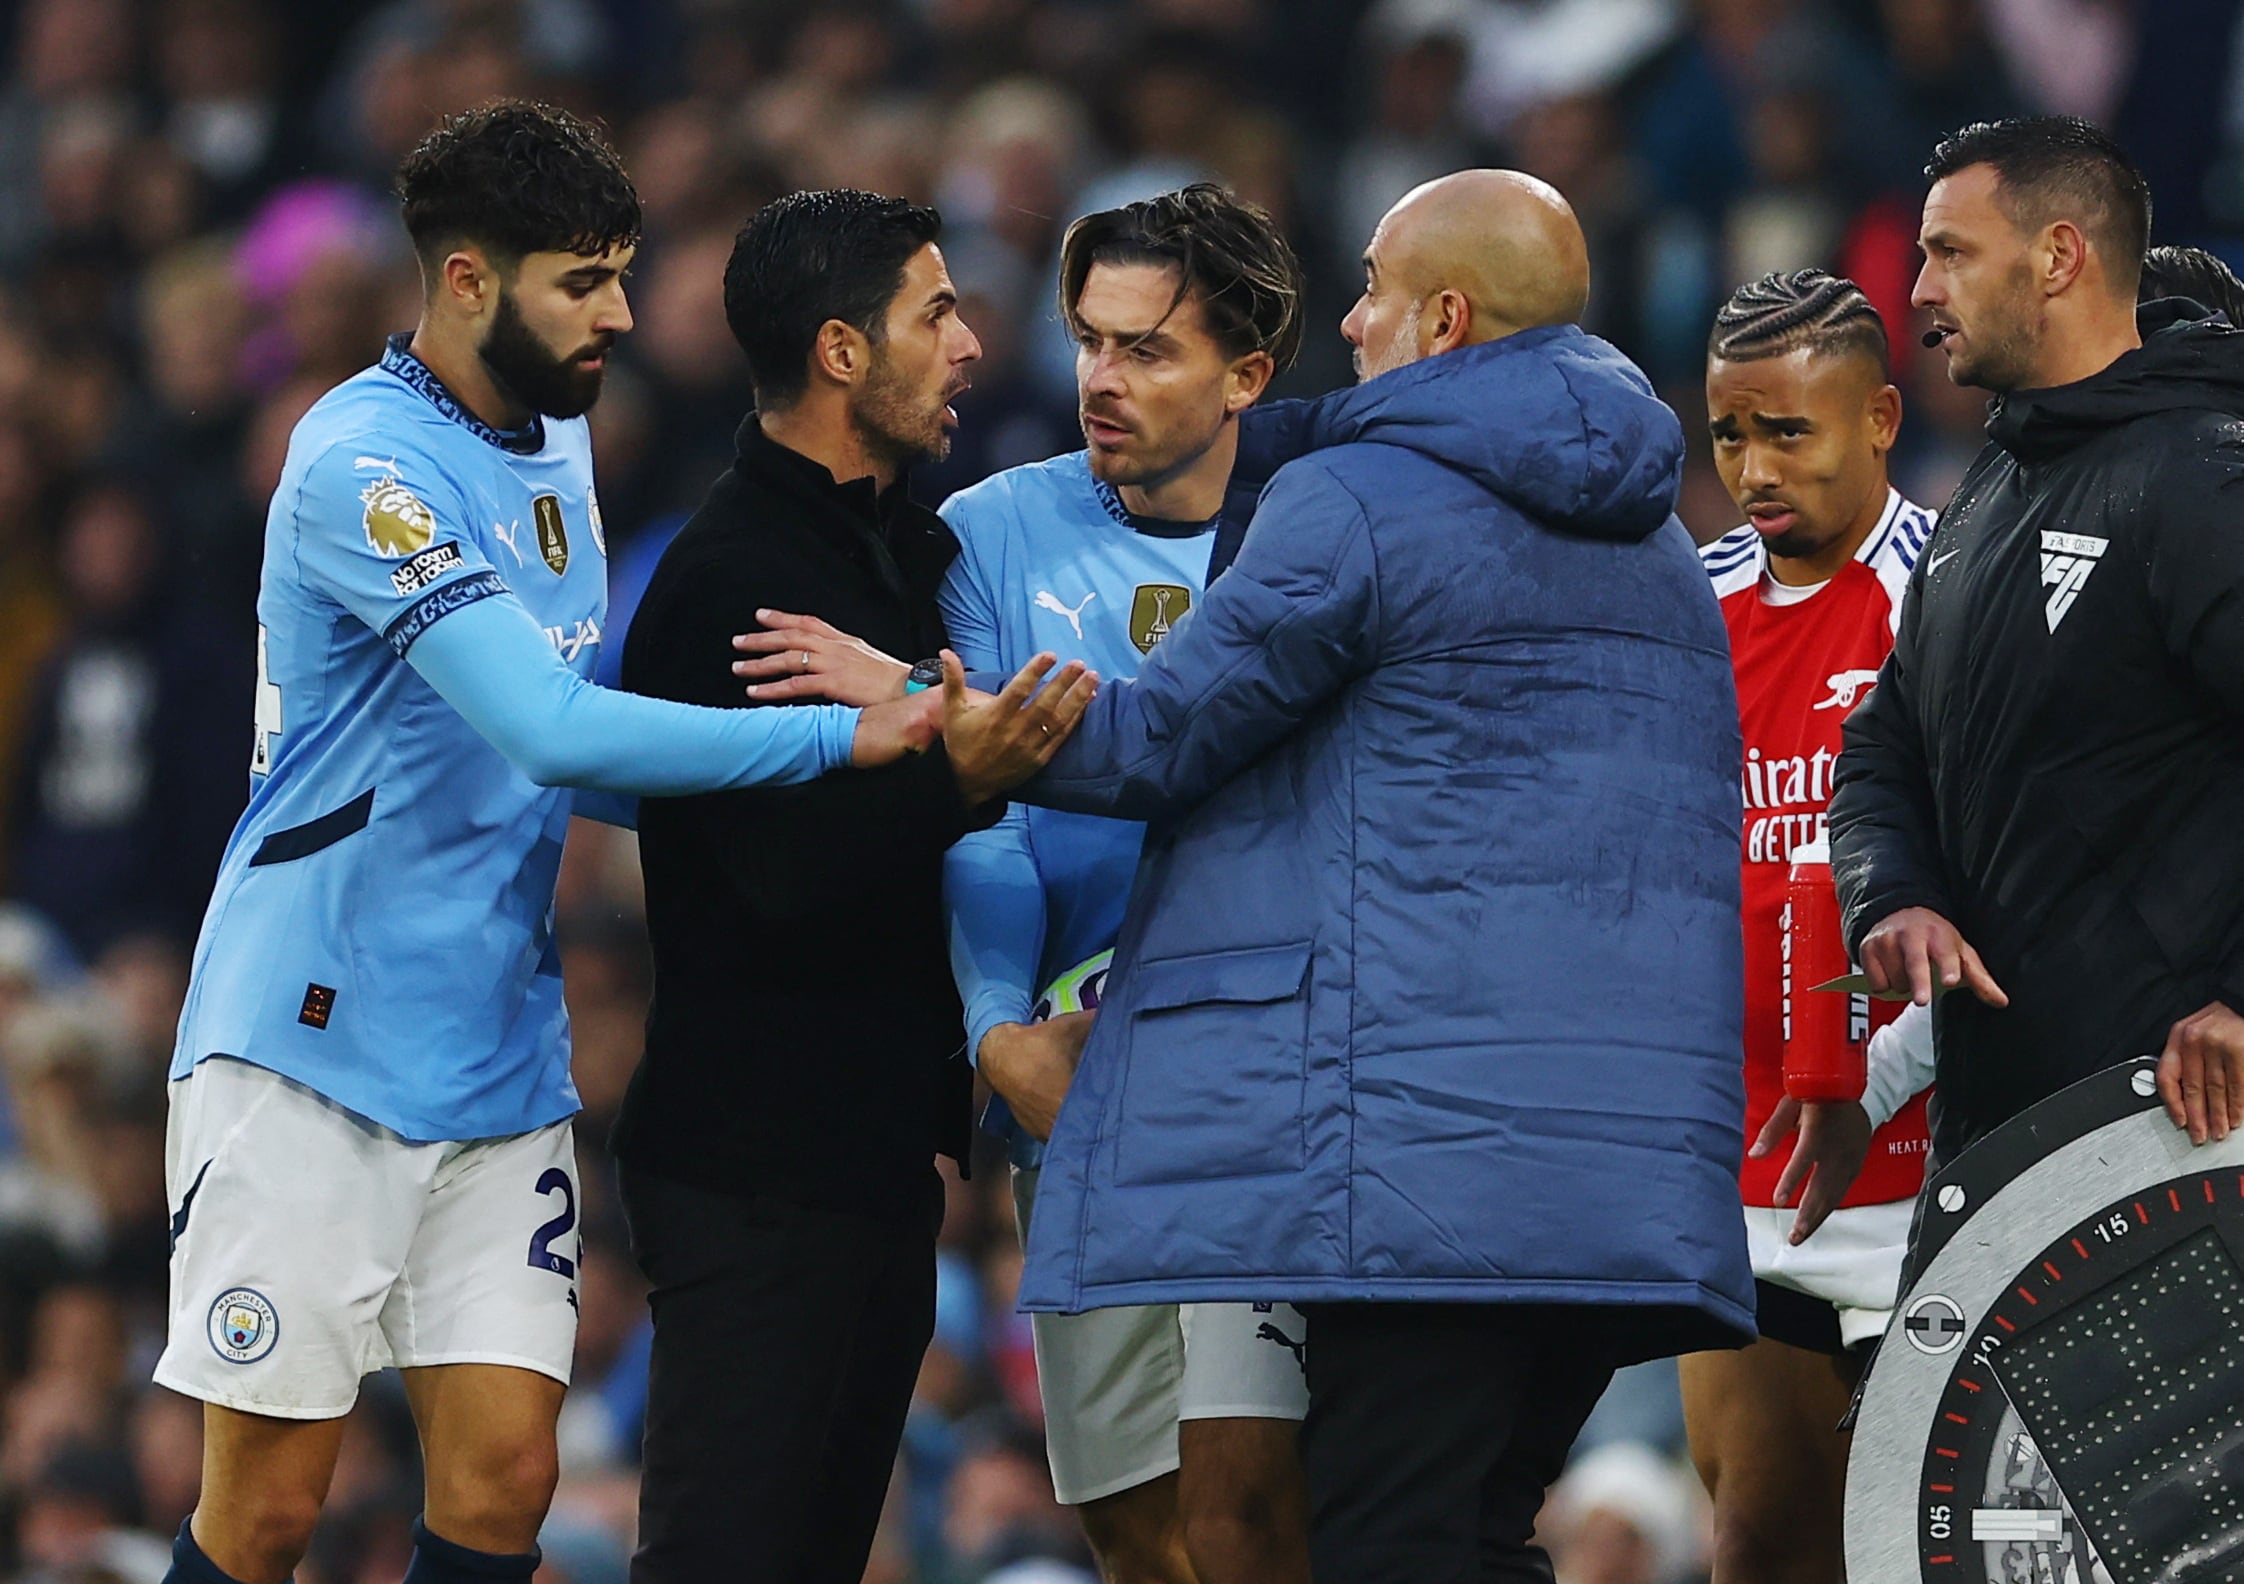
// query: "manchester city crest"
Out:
[1156,608]
[243,1325]
[592,511]
[396,522]
[553,534]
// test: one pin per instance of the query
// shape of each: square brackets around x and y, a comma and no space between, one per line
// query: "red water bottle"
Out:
[1826,1035]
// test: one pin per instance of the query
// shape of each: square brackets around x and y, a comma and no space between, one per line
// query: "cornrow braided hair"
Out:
[1781,313]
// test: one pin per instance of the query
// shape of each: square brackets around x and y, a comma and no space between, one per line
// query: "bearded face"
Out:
[557,384]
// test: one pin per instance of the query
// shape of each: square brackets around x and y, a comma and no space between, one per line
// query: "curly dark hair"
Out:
[1780,313]
[1227,252]
[516,178]
[811,257]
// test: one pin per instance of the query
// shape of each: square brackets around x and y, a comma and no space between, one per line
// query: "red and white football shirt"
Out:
[1804,659]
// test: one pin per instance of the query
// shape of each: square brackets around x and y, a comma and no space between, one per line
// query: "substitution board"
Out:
[2060,1397]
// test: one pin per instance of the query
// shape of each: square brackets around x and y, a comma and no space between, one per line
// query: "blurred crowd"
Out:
[195,241]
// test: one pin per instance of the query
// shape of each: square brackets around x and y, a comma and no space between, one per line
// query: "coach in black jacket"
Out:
[803,1061]
[2051,768]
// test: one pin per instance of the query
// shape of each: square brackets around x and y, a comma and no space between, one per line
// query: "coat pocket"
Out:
[1217,1066]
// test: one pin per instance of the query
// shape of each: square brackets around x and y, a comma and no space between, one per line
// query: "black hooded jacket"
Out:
[2053,757]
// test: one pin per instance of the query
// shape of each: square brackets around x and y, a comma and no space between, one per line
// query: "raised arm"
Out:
[491,662]
[388,539]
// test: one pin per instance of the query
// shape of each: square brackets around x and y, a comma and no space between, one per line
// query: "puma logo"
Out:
[1051,602]
[1844,685]
[506,535]
[1266,1332]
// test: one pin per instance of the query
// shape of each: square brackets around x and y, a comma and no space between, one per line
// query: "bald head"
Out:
[1481,254]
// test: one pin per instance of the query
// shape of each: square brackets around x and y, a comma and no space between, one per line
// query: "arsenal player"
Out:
[1802,413]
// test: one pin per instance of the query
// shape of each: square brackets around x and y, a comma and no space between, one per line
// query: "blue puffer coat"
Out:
[1430,987]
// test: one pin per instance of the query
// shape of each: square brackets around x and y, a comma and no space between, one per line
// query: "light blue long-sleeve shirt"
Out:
[1050,559]
[430,614]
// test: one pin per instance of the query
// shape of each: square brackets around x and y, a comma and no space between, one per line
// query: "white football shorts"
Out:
[1116,1382]
[312,1247]
[1852,1263]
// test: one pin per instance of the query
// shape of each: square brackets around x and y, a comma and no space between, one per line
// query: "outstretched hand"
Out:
[801,657]
[997,742]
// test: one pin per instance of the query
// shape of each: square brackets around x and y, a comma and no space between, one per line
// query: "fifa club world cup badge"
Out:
[1156,608]
[243,1325]
[553,537]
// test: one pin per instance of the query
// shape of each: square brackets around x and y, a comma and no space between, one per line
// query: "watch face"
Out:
[2060,1399]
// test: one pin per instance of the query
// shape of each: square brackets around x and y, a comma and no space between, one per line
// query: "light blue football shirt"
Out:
[1050,559]
[381,930]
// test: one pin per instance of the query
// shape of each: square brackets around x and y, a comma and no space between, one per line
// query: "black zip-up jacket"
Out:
[805,1037]
[2053,757]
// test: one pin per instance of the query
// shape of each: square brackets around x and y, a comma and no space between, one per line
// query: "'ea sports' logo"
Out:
[243,1325]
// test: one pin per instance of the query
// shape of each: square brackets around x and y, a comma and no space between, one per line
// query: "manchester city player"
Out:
[369,1152]
[1172,1430]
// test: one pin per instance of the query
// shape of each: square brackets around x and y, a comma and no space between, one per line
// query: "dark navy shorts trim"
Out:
[1783,1315]
[301,841]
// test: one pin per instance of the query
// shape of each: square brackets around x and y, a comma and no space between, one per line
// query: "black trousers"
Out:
[1434,1430]
[786,1344]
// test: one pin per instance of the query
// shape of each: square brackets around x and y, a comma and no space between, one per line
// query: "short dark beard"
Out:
[890,421]
[2001,362]
[527,370]
[1795,544]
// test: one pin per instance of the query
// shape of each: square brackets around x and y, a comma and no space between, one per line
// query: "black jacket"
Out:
[805,1035]
[2054,754]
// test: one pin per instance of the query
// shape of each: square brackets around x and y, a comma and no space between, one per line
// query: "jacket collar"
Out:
[859,498]
[2188,362]
[920,542]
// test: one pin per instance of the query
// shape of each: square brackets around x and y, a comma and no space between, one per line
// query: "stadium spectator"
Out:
[121,802]
[1625,1515]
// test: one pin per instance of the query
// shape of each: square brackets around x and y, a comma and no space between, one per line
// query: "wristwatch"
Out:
[923,675]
